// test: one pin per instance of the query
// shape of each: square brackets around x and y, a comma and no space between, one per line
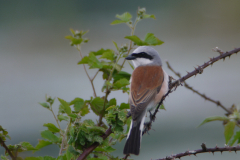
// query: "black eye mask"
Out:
[142,55]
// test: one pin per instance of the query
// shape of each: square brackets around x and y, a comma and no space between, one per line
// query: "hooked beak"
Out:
[130,57]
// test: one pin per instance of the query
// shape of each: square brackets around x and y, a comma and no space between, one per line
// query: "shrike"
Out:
[148,84]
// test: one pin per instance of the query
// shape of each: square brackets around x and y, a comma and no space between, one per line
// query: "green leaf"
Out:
[42,143]
[235,138]
[112,101]
[136,40]
[45,105]
[97,105]
[65,106]
[84,111]
[89,122]
[92,61]
[162,107]
[109,149]
[78,104]
[50,136]
[216,118]
[101,51]
[62,117]
[62,157]
[73,151]
[121,75]
[229,130]
[124,106]
[27,146]
[126,17]
[117,21]
[150,39]
[149,16]
[98,139]
[115,44]
[51,127]
[4,157]
[108,55]
[122,116]
[121,83]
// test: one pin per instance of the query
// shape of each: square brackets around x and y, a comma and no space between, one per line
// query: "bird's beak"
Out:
[130,57]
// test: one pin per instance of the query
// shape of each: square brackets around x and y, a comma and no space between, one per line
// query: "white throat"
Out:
[141,61]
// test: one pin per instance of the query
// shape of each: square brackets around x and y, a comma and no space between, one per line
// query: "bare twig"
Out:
[218,103]
[91,80]
[7,149]
[87,151]
[203,150]
[125,157]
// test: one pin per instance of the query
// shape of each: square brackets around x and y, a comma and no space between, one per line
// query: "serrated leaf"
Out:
[121,83]
[27,146]
[108,55]
[84,111]
[72,31]
[235,138]
[98,139]
[49,136]
[124,106]
[150,39]
[121,75]
[122,116]
[229,130]
[92,61]
[45,105]
[136,40]
[42,143]
[62,157]
[89,122]
[78,104]
[96,129]
[216,118]
[126,17]
[65,106]
[101,51]
[62,117]
[97,105]
[51,127]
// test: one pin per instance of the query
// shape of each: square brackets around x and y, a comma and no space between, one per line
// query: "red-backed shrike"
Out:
[148,84]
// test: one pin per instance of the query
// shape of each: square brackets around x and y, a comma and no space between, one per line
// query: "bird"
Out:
[148,84]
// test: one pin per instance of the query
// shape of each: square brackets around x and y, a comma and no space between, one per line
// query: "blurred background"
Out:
[36,59]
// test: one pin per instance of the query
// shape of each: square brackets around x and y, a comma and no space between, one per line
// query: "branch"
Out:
[218,103]
[87,151]
[6,148]
[178,82]
[91,80]
[203,150]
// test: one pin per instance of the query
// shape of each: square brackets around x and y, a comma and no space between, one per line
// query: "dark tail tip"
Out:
[132,145]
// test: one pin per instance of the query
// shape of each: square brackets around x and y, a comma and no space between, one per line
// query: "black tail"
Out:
[132,145]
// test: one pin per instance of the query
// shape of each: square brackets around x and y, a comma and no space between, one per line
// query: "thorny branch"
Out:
[218,103]
[7,149]
[175,84]
[203,150]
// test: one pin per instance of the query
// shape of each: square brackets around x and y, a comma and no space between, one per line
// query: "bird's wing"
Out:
[146,83]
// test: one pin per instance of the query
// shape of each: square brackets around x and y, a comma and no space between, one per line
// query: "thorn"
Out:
[221,152]
[195,154]
[213,152]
